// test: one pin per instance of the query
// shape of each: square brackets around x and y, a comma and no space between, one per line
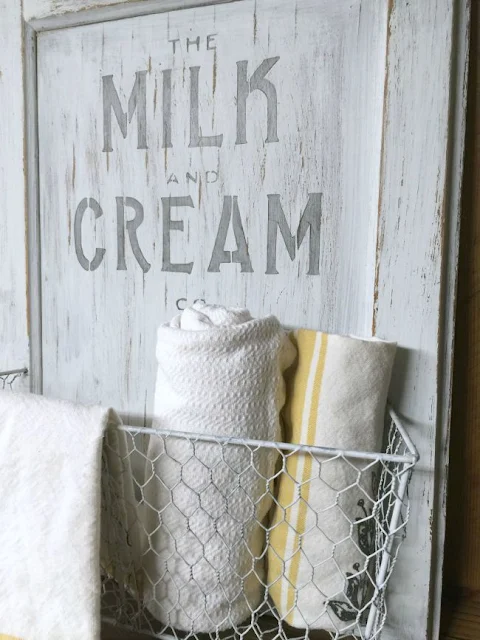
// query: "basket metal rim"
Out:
[410,458]
[12,372]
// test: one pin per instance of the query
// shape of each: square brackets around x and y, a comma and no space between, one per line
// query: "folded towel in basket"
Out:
[322,530]
[219,373]
[50,470]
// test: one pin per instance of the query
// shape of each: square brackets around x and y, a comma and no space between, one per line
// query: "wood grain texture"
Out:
[461,617]
[462,553]
[14,349]
[45,8]
[416,274]
[451,235]
[110,632]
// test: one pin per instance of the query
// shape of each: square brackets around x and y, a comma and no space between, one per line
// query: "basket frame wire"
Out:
[9,376]
[326,452]
[394,520]
[406,463]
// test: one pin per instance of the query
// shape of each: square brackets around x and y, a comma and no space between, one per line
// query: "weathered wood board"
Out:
[320,139]
[243,179]
[14,347]
[462,551]
[416,273]
[55,14]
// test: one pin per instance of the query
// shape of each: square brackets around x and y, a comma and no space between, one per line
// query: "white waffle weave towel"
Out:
[219,373]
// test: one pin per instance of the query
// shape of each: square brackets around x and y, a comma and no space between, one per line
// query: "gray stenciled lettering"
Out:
[230,211]
[136,102]
[174,44]
[191,178]
[173,225]
[310,220]
[196,139]
[167,109]
[179,304]
[258,82]
[195,41]
[214,175]
[132,226]
[210,39]
[86,203]
[310,223]
[277,221]
[182,303]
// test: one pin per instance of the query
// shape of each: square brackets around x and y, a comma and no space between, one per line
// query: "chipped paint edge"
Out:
[451,245]
[42,16]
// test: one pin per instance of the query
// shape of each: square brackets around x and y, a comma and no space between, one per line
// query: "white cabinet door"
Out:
[299,157]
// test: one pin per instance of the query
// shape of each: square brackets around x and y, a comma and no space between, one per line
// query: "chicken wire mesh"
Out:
[229,538]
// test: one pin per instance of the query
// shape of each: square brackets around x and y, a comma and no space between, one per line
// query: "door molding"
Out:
[44,15]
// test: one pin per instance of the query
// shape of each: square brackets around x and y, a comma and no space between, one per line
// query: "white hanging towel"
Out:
[219,373]
[322,529]
[50,471]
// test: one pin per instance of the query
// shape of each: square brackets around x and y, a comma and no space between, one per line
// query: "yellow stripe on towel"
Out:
[290,521]
[336,398]
[4,637]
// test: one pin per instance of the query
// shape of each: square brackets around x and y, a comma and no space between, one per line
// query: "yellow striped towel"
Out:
[336,397]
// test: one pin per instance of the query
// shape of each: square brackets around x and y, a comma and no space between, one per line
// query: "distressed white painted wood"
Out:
[416,265]
[35,9]
[329,137]
[453,206]
[13,263]
[57,14]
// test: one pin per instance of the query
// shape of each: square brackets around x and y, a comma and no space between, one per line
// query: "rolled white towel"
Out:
[219,373]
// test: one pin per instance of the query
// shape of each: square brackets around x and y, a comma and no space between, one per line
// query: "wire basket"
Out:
[231,551]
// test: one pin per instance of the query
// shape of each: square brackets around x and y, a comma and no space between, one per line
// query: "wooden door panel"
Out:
[272,205]
[369,114]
